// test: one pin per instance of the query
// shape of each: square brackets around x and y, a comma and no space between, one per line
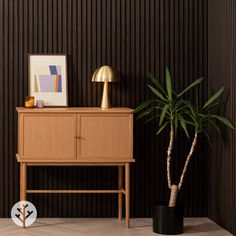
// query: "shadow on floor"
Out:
[201,228]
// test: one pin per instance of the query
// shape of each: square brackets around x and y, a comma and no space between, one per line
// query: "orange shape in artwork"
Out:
[35,85]
[56,87]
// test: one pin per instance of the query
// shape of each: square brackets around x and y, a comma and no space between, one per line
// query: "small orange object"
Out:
[29,102]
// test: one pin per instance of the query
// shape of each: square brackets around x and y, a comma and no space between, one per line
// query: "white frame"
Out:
[50,99]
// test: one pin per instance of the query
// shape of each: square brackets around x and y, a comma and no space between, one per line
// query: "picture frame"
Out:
[47,79]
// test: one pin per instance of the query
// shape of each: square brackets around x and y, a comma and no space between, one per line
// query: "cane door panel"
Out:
[104,136]
[48,136]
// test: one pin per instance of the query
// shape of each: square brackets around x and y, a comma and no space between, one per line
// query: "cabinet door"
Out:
[106,136]
[48,136]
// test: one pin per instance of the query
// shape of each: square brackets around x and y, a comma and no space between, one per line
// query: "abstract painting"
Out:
[48,79]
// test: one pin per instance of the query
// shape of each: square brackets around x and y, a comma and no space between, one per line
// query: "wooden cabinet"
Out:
[77,136]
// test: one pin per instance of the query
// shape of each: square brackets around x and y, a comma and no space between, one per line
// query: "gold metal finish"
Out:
[29,102]
[105,74]
[105,97]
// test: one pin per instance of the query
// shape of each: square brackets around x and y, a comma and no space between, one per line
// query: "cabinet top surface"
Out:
[74,110]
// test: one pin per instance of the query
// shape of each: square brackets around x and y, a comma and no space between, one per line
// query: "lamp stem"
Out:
[105,97]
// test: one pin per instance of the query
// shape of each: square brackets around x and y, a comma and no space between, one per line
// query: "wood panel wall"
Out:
[222,71]
[135,37]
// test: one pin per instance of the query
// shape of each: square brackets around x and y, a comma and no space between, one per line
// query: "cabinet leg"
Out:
[23,181]
[120,181]
[127,193]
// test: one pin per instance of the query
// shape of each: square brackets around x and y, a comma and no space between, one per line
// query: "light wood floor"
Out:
[104,227]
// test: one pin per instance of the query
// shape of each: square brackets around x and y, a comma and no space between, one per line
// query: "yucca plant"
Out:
[175,112]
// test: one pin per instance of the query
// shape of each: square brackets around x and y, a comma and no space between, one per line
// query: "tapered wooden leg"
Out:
[23,181]
[127,193]
[120,180]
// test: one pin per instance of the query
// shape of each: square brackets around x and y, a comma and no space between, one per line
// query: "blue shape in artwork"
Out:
[59,84]
[58,70]
[53,70]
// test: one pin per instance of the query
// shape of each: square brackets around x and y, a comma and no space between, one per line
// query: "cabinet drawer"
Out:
[104,136]
[48,136]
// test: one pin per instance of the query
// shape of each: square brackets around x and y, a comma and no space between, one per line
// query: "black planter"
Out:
[168,220]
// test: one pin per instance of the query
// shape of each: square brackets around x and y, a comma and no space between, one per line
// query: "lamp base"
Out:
[105,97]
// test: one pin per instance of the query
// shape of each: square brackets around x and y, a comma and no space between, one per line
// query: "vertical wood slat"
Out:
[5,104]
[135,37]
[16,92]
[1,104]
[11,100]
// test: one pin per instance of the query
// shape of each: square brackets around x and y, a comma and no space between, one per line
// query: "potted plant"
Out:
[176,112]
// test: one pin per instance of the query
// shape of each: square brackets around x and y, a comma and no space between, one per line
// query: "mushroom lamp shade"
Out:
[105,74]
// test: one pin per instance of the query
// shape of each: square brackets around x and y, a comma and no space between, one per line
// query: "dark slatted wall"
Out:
[222,71]
[135,37]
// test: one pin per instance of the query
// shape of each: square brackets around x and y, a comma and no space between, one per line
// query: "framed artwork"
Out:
[48,78]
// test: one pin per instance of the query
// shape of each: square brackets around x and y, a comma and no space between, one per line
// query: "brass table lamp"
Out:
[105,74]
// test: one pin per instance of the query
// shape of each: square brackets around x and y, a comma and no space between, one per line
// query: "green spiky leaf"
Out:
[145,113]
[183,124]
[224,121]
[156,92]
[161,128]
[193,114]
[189,123]
[151,118]
[168,84]
[216,104]
[157,83]
[213,98]
[163,114]
[208,138]
[176,125]
[215,126]
[192,85]
[142,106]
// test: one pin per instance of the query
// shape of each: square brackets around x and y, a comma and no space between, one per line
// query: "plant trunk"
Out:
[173,195]
[169,152]
[194,143]
[174,188]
